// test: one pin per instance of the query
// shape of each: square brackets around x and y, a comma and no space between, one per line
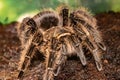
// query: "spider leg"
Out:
[93,47]
[61,58]
[81,55]
[21,29]
[98,40]
[54,67]
[29,48]
[28,53]
[64,11]
[78,48]
[96,35]
[96,53]
[88,39]
[56,57]
[48,75]
[83,17]
[27,58]
[26,29]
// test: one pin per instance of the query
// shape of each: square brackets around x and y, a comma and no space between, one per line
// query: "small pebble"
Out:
[105,61]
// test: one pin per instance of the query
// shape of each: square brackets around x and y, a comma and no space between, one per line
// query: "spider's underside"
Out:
[58,35]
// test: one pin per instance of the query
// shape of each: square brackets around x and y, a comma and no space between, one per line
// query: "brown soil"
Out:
[109,25]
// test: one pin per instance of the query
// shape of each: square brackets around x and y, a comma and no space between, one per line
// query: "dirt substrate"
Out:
[109,25]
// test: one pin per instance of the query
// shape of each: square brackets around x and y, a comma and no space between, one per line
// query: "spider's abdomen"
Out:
[46,20]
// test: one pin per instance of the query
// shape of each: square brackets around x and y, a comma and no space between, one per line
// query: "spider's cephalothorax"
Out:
[58,35]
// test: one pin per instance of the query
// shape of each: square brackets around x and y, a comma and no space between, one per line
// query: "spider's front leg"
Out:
[56,56]
[76,43]
[31,38]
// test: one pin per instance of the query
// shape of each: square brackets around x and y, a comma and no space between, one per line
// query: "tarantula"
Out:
[58,34]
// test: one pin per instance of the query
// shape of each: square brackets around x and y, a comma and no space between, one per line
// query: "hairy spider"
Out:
[58,34]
